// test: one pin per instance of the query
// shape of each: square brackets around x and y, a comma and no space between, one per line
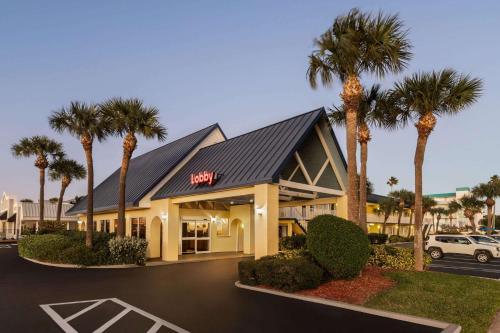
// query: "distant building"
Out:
[18,217]
[443,199]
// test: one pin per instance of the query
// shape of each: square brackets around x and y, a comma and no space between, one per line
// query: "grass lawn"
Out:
[468,301]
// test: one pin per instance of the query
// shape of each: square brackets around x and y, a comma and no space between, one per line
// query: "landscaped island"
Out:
[336,261]
[68,247]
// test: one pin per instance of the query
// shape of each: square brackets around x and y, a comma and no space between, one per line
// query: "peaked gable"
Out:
[252,158]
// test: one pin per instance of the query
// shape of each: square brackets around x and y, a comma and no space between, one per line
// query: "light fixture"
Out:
[251,200]
[231,202]
[80,221]
[213,219]
[163,216]
[259,211]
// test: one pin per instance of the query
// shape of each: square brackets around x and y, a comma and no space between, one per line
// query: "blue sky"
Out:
[239,63]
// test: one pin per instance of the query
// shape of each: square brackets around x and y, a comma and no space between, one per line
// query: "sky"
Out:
[239,63]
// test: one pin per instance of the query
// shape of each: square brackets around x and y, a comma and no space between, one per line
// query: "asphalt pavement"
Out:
[466,265]
[188,297]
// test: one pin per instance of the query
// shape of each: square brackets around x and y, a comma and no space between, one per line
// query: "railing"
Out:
[303,214]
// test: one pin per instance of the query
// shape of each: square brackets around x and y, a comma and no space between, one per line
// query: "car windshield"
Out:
[484,239]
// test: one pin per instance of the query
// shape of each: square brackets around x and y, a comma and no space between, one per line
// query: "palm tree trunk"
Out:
[90,196]
[362,187]
[351,95]
[400,215]
[121,194]
[490,219]
[129,144]
[59,203]
[409,226]
[418,240]
[383,225]
[42,197]
[437,225]
[472,223]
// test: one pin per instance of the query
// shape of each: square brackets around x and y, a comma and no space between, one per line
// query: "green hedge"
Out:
[338,245]
[390,257]
[285,274]
[128,250]
[295,242]
[376,238]
[68,247]
[400,239]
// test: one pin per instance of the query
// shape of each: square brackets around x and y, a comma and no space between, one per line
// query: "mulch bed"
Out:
[355,291]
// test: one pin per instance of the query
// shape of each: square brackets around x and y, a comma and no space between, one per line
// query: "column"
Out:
[266,219]
[170,246]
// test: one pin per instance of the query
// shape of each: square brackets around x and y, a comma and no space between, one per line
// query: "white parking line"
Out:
[466,262]
[66,327]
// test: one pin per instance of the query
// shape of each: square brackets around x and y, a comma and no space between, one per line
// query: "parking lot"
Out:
[466,265]
[189,297]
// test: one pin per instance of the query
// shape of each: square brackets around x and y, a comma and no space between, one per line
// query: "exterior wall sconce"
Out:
[259,211]
[163,217]
[213,219]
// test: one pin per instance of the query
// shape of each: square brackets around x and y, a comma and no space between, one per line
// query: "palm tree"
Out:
[411,203]
[428,204]
[453,207]
[402,197]
[421,98]
[489,191]
[372,112]
[85,122]
[357,43]
[392,181]
[130,117]
[65,170]
[471,206]
[386,208]
[439,212]
[41,147]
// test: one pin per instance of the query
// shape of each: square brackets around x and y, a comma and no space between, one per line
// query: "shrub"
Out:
[246,272]
[338,245]
[295,242]
[43,247]
[394,257]
[295,274]
[285,274]
[48,227]
[399,239]
[79,254]
[377,238]
[128,250]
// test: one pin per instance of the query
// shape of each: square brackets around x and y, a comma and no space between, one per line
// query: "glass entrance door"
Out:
[195,236]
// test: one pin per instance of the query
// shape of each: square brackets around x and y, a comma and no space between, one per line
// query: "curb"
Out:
[80,266]
[446,327]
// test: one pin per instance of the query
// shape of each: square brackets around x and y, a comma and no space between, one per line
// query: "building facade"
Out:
[19,217]
[207,193]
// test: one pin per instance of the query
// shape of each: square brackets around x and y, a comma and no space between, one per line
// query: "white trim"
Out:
[303,168]
[330,157]
[294,171]
[312,188]
[321,171]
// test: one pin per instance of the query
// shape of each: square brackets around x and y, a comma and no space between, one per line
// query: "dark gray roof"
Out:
[375,198]
[145,171]
[248,159]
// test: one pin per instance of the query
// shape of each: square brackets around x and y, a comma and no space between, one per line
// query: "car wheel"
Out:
[483,257]
[436,253]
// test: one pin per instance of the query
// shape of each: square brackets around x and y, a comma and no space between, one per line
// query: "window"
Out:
[483,239]
[222,227]
[139,227]
[104,226]
[444,239]
[461,240]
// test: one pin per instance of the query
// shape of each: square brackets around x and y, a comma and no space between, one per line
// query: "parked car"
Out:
[439,245]
[497,237]
[484,239]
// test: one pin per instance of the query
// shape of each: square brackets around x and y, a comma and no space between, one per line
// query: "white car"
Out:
[439,245]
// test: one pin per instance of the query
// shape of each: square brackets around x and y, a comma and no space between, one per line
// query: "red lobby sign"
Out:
[204,177]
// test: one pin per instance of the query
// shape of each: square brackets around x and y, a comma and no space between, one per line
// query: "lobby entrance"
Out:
[195,235]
